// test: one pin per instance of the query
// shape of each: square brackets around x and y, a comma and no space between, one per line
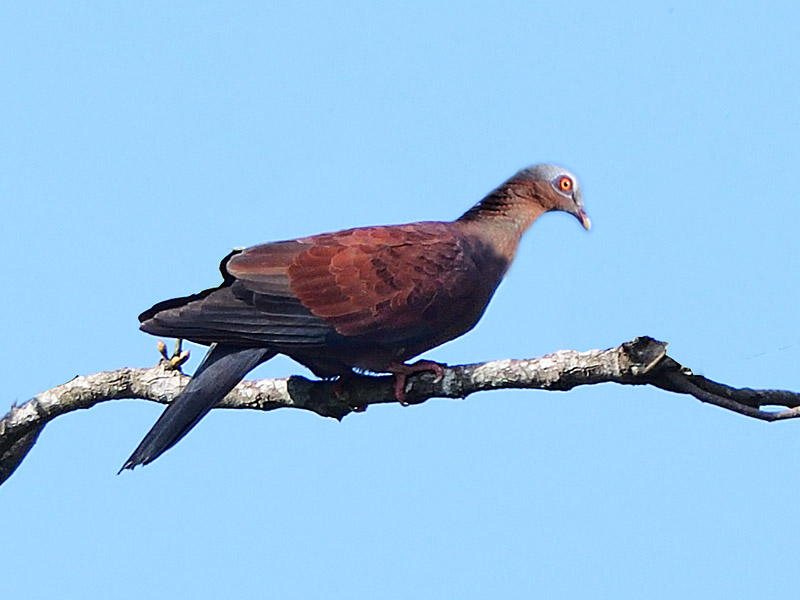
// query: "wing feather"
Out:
[376,286]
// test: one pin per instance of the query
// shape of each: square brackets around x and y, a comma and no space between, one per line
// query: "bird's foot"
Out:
[401,371]
[340,390]
[178,358]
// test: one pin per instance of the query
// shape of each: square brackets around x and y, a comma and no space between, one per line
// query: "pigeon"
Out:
[358,300]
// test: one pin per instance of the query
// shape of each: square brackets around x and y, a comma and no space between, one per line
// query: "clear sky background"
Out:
[139,143]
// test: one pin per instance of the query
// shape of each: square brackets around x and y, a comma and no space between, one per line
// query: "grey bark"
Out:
[643,361]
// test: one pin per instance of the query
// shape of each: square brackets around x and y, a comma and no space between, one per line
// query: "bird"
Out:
[358,300]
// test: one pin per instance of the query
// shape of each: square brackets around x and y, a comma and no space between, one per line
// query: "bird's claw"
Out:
[178,358]
[402,371]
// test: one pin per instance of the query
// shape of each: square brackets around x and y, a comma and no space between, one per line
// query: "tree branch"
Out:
[643,361]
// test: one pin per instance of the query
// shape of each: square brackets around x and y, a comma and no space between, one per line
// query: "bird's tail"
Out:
[222,368]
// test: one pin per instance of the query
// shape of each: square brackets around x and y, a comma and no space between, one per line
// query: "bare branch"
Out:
[643,361]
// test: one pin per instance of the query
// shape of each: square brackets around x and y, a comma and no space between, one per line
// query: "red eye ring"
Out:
[565,183]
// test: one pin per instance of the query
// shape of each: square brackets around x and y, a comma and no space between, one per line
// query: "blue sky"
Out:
[140,143]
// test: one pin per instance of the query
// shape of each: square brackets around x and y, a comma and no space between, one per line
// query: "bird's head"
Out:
[555,188]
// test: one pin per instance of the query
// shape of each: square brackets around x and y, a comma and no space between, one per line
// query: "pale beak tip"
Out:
[585,220]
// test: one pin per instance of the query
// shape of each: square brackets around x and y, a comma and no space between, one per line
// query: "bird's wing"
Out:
[387,284]
[381,285]
[241,312]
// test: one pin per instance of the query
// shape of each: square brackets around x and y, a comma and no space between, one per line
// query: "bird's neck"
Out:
[503,216]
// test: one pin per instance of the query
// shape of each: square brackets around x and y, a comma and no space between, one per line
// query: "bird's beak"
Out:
[584,219]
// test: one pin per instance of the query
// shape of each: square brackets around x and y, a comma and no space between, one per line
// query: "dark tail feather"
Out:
[221,369]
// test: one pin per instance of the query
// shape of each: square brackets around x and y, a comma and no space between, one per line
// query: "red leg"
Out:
[401,372]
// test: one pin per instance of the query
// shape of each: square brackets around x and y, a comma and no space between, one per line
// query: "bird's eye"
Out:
[565,184]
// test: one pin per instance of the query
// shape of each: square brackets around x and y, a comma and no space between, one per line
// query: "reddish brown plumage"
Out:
[368,298]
